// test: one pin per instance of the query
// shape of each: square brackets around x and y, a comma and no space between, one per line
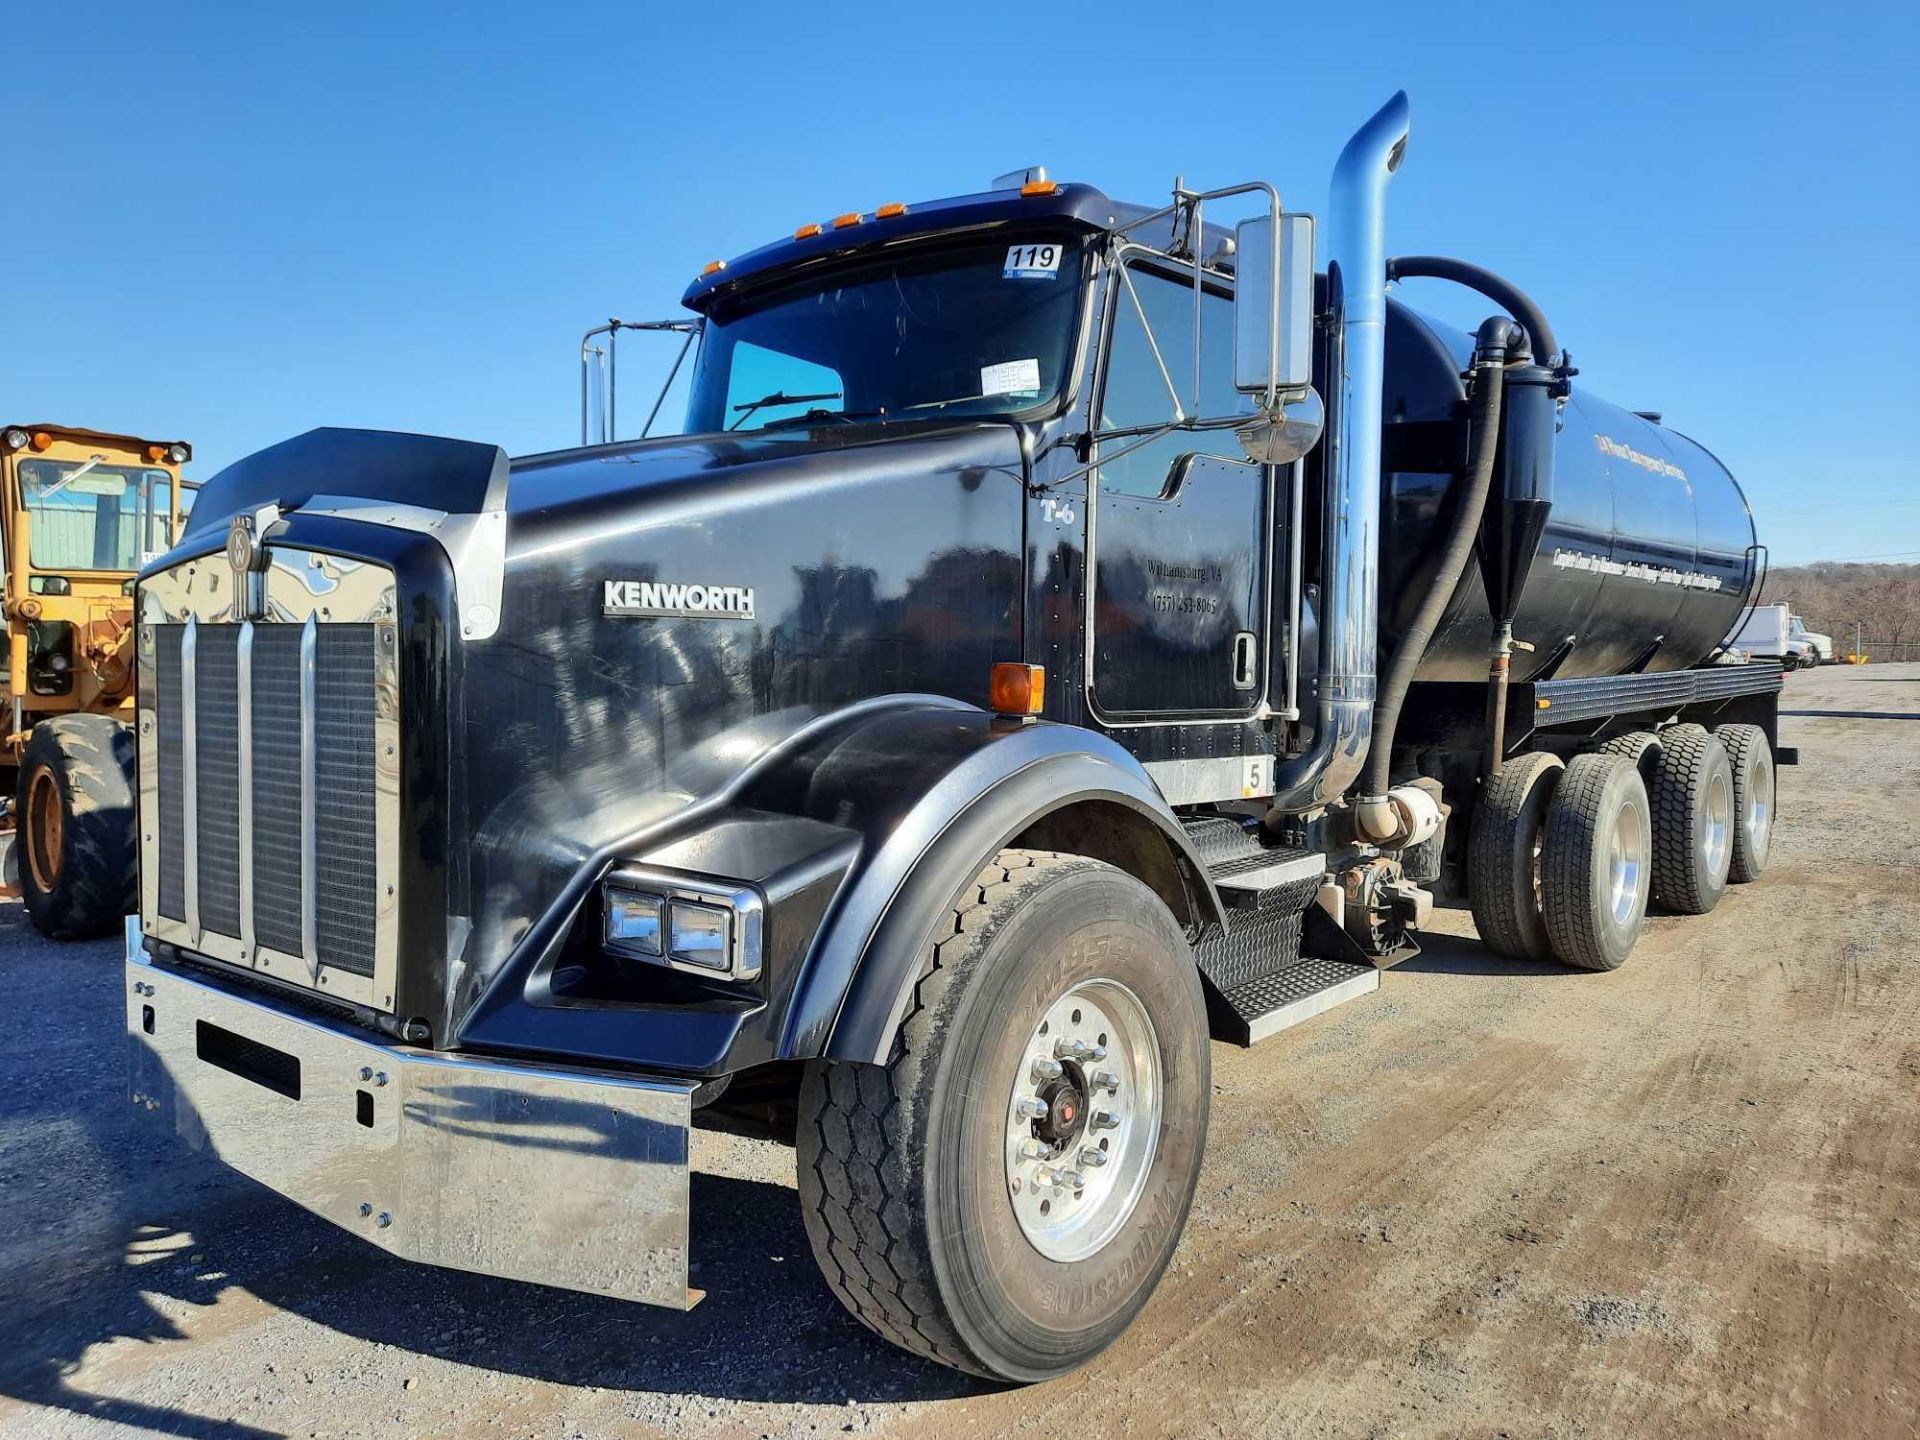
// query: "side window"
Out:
[758,373]
[1137,387]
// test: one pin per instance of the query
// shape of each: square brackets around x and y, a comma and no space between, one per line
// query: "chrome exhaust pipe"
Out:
[1350,524]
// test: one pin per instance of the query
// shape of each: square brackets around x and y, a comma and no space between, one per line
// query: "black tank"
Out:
[1648,555]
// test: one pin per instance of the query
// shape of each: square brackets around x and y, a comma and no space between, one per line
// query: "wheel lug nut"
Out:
[1030,1108]
[1034,1150]
[1106,1080]
[1070,1049]
[1045,1069]
[1093,1157]
[1104,1120]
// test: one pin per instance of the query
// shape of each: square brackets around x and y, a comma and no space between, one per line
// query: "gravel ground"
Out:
[1493,1198]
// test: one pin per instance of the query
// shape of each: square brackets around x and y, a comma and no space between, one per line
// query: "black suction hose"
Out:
[1493,348]
[1503,292]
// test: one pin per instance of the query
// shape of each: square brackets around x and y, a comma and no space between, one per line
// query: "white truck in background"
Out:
[1773,632]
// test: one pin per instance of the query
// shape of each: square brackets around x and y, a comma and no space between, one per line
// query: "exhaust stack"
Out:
[1350,526]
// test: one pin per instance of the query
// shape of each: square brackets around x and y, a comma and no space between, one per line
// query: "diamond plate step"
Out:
[1249,1013]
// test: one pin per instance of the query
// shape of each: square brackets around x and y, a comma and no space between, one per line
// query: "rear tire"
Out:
[1595,862]
[907,1170]
[1754,799]
[75,826]
[1692,791]
[1503,853]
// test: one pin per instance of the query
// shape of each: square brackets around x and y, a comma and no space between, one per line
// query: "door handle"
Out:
[1246,660]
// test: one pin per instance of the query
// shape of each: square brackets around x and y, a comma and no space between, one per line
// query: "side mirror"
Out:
[1273,337]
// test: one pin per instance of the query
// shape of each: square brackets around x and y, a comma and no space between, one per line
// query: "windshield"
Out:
[85,515]
[982,329]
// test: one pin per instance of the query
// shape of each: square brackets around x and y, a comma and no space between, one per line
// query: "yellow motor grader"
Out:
[81,512]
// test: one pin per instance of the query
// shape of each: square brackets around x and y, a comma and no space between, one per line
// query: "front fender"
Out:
[981,781]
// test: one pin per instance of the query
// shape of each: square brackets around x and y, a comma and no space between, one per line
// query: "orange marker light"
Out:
[1040,187]
[156,453]
[847,221]
[41,440]
[714,267]
[889,210]
[1017,689]
[807,232]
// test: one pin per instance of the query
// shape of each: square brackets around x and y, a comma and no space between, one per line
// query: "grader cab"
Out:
[80,513]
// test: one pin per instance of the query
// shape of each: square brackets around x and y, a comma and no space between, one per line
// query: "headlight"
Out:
[706,927]
[179,454]
[633,923]
[14,439]
[700,934]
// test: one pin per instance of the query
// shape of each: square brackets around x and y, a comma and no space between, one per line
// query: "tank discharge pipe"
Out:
[1350,528]
[1499,343]
[1503,292]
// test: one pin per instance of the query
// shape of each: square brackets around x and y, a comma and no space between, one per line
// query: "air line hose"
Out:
[1498,338]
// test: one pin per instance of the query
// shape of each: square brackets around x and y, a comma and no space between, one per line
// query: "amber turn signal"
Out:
[41,440]
[1018,689]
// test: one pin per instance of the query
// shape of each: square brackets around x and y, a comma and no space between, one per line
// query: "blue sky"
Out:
[232,223]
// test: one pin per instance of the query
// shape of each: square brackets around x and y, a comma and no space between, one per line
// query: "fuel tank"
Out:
[1647,557]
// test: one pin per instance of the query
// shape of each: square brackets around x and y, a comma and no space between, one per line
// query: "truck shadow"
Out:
[1464,955]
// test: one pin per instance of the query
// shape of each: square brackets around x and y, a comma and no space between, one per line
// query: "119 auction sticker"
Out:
[1032,262]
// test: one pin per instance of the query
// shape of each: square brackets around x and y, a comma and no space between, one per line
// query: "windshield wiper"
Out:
[778,397]
[839,417]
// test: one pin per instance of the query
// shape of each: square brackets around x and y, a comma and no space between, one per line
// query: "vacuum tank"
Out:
[1647,557]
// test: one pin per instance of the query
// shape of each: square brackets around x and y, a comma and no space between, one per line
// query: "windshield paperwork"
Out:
[88,515]
[987,328]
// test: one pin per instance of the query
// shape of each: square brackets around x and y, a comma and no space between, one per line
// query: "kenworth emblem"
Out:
[691,602]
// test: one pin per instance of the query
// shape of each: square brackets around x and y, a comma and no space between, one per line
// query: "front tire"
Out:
[917,1177]
[75,826]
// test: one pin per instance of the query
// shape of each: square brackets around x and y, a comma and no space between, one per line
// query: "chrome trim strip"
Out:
[147,756]
[386,812]
[190,774]
[309,801]
[244,703]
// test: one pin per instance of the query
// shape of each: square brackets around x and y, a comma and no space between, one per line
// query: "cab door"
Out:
[1181,525]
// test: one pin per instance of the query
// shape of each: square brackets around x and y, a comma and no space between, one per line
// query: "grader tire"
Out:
[75,841]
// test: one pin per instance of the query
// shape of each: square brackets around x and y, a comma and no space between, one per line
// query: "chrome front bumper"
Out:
[562,1178]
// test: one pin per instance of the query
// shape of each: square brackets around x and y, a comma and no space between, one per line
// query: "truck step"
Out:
[1252,1011]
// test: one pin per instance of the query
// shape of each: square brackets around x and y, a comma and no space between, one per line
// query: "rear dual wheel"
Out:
[1004,1193]
[1753,799]
[1559,859]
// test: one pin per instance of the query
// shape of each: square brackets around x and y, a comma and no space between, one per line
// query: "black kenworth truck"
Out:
[1068,632]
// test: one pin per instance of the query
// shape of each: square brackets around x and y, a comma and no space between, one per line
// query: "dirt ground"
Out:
[1491,1199]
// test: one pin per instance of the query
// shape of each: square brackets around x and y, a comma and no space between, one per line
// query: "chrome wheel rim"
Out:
[1083,1120]
[1626,866]
[1717,832]
[1759,817]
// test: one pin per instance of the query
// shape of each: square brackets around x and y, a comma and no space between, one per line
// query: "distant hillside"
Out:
[1883,599]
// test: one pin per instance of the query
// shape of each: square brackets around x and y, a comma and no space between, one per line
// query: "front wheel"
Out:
[1004,1194]
[75,818]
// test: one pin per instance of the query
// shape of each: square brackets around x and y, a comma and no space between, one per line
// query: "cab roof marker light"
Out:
[1039,187]
[889,210]
[846,221]
[807,232]
[712,267]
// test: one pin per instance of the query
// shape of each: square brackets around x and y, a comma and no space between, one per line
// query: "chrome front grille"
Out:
[269,771]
